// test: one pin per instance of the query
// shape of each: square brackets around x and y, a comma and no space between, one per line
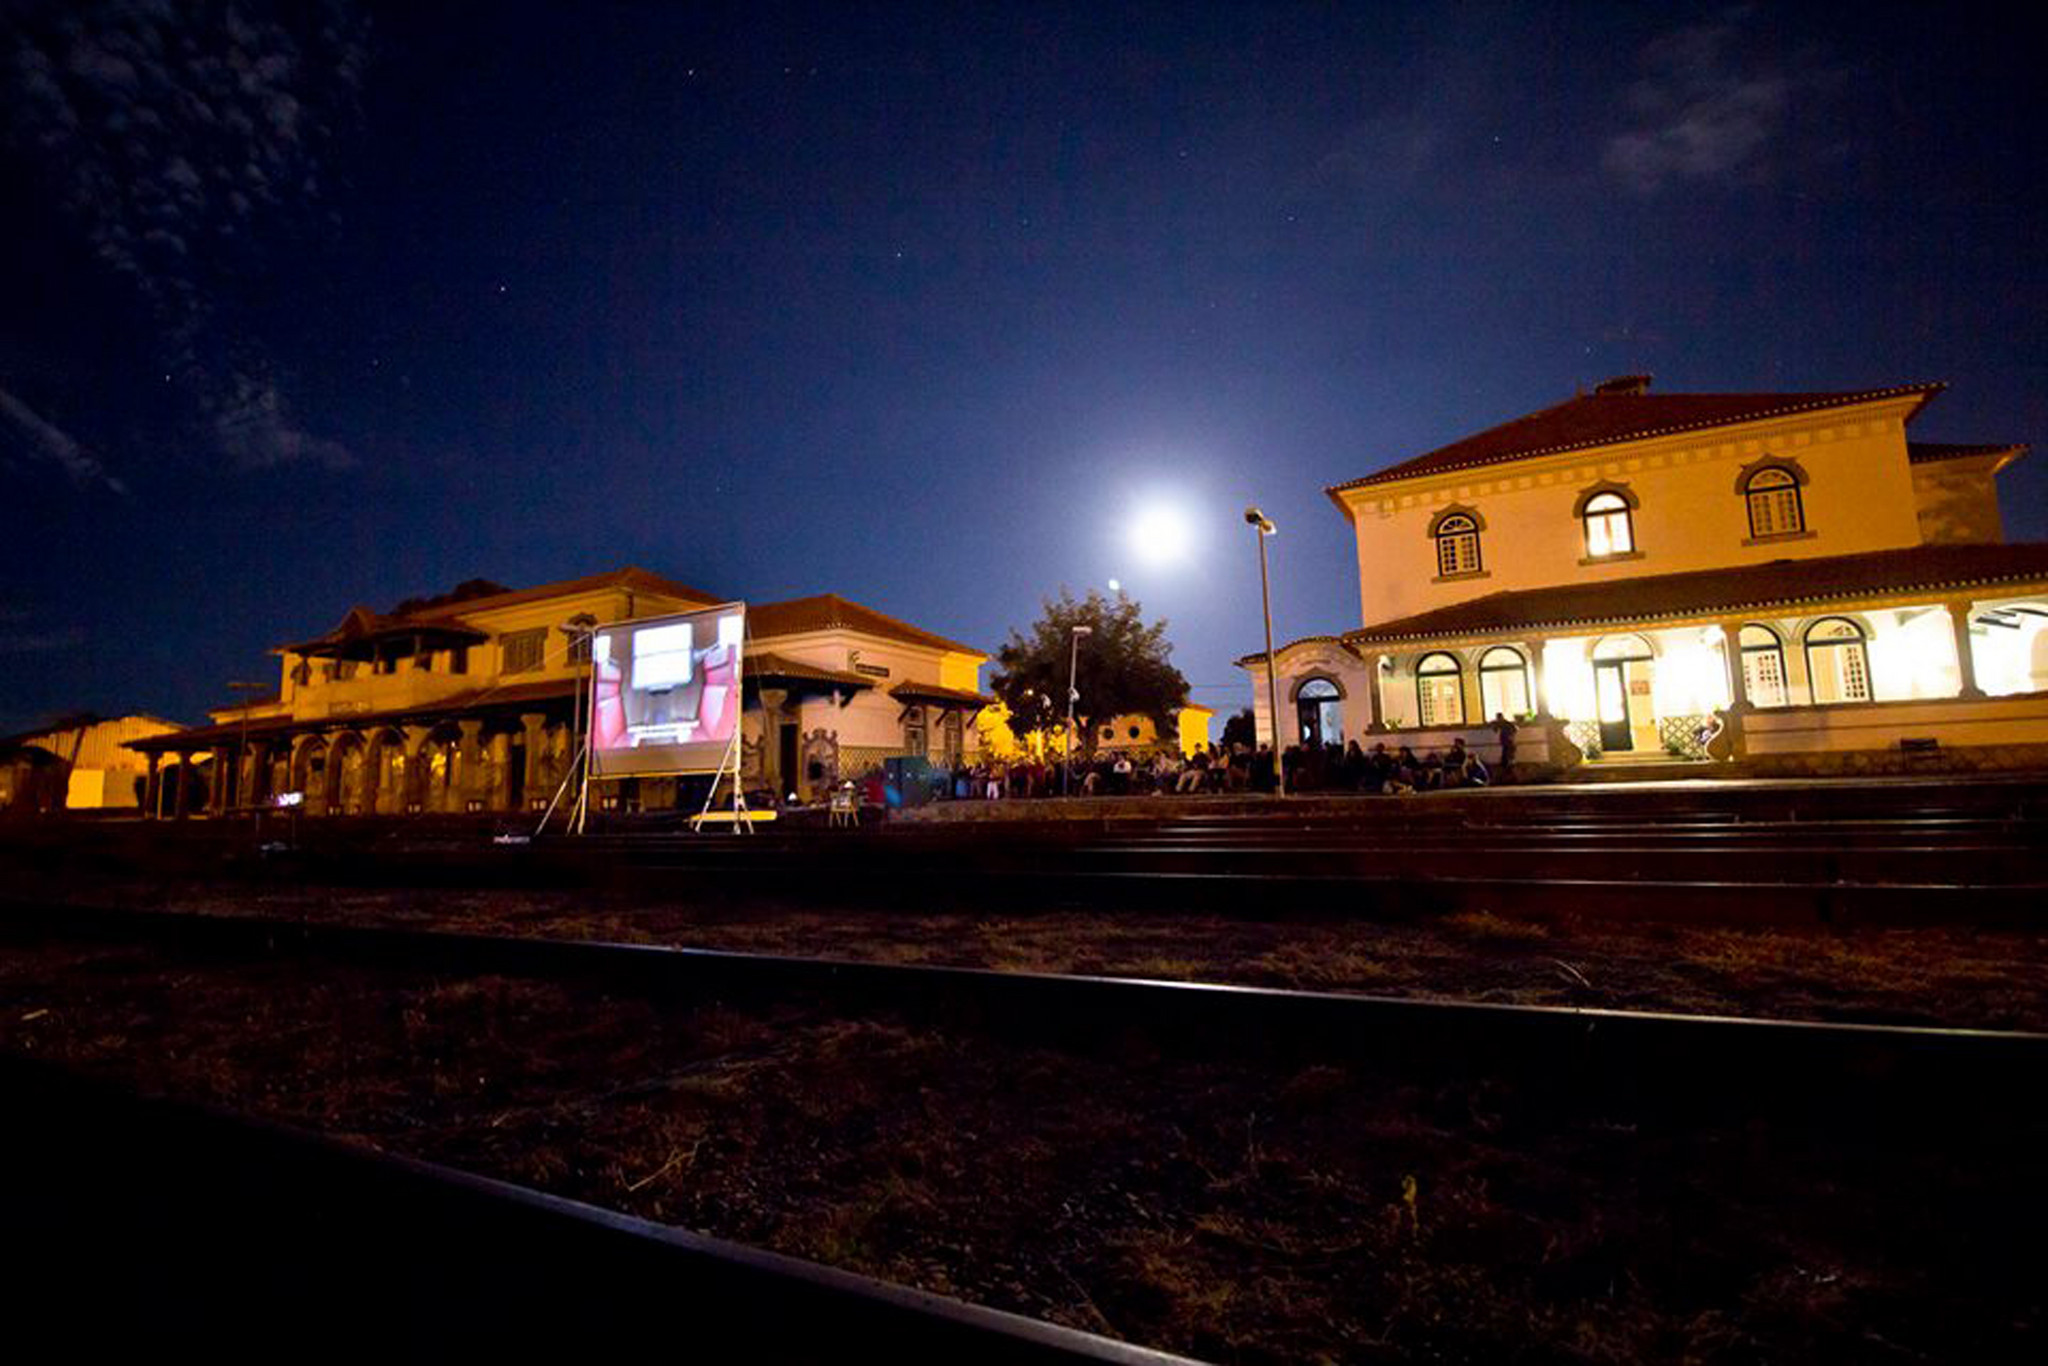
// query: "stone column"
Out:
[1966,658]
[184,803]
[1375,706]
[500,750]
[417,773]
[534,724]
[153,788]
[217,790]
[1539,702]
[1468,688]
[772,775]
[1738,678]
[469,761]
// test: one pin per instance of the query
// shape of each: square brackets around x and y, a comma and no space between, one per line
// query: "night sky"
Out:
[302,308]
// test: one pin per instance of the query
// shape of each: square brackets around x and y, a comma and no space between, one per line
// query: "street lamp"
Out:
[1073,696]
[1264,526]
[581,629]
[249,693]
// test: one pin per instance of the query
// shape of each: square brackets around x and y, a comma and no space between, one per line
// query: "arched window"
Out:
[1774,506]
[1504,683]
[914,742]
[1763,666]
[1319,712]
[1608,528]
[1837,661]
[1439,690]
[1457,545]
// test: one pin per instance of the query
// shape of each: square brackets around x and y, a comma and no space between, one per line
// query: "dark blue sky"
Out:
[301,308]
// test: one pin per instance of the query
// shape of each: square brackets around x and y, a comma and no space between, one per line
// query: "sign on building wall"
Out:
[665,692]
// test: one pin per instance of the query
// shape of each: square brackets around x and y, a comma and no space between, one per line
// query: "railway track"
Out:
[1676,1058]
[302,1227]
[144,1224]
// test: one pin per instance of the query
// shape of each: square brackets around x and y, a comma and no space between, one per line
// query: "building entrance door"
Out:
[1610,690]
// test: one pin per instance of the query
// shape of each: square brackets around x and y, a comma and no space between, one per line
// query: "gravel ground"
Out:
[1312,1211]
[1990,979]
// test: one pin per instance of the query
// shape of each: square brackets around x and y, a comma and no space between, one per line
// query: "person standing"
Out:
[1505,730]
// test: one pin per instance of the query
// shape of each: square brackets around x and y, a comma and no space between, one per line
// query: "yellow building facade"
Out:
[1767,576]
[467,703]
[79,764]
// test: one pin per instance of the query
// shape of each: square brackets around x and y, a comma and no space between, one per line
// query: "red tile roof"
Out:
[1601,419]
[1927,452]
[829,611]
[1924,568]
[632,578]
[445,614]
[762,664]
[908,691]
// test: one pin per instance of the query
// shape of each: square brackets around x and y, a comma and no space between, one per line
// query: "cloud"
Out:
[43,441]
[254,427]
[186,142]
[1709,108]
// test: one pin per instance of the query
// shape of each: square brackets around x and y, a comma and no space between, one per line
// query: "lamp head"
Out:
[1084,630]
[1254,517]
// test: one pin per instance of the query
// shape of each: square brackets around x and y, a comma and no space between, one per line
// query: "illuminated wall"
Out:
[1859,496]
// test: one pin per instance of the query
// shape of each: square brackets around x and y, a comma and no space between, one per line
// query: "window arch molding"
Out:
[1444,514]
[1592,491]
[1837,660]
[1454,533]
[1504,683]
[1606,515]
[1760,651]
[1305,688]
[1440,689]
[1773,496]
[1755,467]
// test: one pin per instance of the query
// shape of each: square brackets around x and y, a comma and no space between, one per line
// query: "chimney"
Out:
[1624,384]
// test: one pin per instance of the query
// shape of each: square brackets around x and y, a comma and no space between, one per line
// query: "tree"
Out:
[1122,669]
[1239,730]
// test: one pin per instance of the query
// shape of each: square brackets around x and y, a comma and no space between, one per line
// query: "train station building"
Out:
[466,702]
[1786,580]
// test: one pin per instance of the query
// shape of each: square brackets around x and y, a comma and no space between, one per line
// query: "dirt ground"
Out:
[1958,977]
[1323,1212]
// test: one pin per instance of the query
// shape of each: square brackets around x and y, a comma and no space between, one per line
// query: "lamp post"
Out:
[242,764]
[581,628]
[1263,525]
[1073,696]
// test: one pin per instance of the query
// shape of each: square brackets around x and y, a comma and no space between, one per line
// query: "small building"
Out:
[79,763]
[466,702]
[1781,578]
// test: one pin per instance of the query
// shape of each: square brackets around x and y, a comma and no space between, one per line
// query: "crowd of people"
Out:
[1238,768]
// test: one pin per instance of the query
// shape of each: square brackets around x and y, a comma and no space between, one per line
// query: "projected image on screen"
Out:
[665,692]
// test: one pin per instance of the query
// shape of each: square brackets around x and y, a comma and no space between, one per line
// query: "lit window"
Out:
[1837,661]
[523,650]
[1457,546]
[1503,683]
[1774,506]
[1439,690]
[1608,531]
[1763,666]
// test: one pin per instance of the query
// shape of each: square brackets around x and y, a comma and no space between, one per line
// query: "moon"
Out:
[1161,534]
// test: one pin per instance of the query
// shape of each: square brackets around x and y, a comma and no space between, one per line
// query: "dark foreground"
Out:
[1240,1208]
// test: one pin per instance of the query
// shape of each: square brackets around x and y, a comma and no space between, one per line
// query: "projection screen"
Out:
[665,692]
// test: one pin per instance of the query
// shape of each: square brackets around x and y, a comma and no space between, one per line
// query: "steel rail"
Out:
[226,1230]
[1657,1050]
